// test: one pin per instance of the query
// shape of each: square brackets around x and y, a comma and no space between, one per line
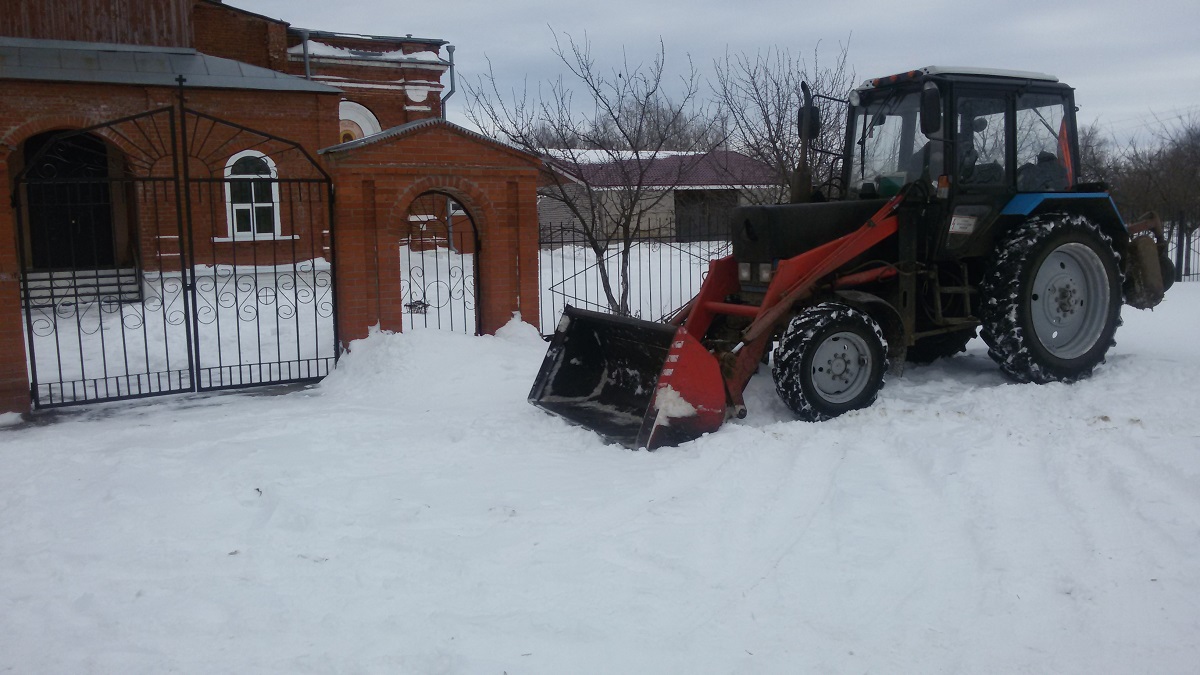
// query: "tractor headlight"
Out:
[743,271]
[765,272]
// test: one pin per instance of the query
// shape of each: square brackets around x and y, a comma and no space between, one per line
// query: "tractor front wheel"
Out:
[1052,299]
[830,360]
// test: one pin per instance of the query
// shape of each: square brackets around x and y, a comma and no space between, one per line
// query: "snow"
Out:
[412,513]
[320,49]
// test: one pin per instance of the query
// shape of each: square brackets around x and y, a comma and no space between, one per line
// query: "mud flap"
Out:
[637,383]
[1144,287]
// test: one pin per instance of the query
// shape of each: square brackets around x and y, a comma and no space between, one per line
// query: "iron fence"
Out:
[438,284]
[1184,248]
[137,277]
[664,272]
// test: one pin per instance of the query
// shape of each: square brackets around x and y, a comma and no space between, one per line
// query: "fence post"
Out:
[1181,239]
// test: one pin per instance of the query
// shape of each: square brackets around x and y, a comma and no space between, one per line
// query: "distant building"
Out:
[686,196]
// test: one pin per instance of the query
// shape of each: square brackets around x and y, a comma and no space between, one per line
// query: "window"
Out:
[981,139]
[356,121]
[1043,150]
[889,149]
[252,196]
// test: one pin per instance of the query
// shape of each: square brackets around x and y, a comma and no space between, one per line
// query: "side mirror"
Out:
[931,109]
[808,120]
[814,121]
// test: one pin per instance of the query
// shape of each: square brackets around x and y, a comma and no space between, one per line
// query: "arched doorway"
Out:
[72,211]
[439,282]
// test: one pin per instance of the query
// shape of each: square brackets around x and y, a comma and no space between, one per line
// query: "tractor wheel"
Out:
[831,359]
[1051,299]
[944,345]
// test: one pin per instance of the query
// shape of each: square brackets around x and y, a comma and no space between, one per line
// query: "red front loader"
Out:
[959,213]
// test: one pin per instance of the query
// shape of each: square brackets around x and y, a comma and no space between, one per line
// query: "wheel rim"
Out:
[841,367]
[1069,300]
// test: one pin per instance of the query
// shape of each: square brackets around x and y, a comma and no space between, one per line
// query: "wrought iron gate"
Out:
[172,251]
[439,276]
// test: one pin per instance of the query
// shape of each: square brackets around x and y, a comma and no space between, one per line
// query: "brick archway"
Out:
[379,178]
[437,266]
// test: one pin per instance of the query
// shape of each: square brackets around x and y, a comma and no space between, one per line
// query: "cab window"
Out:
[981,134]
[1043,152]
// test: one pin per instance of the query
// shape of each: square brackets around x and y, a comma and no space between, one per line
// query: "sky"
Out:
[1133,64]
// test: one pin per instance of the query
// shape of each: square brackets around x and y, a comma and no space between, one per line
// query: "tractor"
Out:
[958,212]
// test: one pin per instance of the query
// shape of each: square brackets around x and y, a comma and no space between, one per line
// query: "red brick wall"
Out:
[233,34]
[376,186]
[163,23]
[388,105]
[29,108]
[14,381]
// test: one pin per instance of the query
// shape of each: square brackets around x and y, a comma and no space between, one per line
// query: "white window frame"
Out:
[231,209]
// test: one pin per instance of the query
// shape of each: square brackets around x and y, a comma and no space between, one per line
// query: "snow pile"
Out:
[414,514]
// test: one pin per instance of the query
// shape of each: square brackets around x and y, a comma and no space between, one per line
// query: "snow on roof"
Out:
[322,50]
[370,38]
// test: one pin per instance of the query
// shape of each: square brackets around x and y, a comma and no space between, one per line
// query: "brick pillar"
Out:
[351,247]
[527,251]
[14,378]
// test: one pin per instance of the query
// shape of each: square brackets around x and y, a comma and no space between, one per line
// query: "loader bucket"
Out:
[637,383]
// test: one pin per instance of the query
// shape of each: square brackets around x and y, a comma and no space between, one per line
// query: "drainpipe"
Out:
[307,68]
[450,51]
[449,202]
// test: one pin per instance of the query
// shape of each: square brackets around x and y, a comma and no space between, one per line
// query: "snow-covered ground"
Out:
[413,514]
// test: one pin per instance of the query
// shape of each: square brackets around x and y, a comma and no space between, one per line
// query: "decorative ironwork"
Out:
[182,305]
[438,284]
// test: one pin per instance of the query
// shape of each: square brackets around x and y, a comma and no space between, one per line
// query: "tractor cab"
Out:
[973,138]
[976,129]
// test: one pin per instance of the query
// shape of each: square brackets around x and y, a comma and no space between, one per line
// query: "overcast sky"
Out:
[1130,62]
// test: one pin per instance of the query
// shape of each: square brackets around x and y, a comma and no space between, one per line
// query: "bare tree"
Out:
[1097,157]
[600,154]
[1161,175]
[761,97]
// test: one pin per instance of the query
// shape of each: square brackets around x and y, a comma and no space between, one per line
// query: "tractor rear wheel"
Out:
[1052,299]
[830,360]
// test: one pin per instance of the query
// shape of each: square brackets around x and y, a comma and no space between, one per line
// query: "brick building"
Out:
[204,198]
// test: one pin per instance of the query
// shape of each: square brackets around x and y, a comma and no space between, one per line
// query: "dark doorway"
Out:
[703,215]
[70,202]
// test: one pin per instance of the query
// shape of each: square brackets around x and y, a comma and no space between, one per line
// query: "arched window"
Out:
[252,196]
[357,121]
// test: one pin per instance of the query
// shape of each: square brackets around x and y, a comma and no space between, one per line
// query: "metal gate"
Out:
[172,251]
[439,278]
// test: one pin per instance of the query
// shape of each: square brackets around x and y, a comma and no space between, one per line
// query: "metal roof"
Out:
[66,61]
[956,70]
